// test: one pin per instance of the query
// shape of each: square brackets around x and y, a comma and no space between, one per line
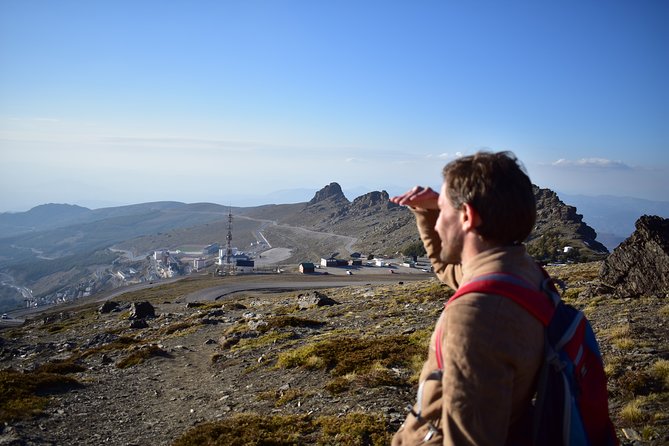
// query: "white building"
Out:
[199,264]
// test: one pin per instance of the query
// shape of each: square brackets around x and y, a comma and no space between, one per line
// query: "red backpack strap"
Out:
[437,347]
[539,304]
[536,302]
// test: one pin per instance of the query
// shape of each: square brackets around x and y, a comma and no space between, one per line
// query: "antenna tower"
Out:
[228,244]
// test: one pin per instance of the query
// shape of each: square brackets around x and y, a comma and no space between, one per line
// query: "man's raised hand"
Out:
[418,197]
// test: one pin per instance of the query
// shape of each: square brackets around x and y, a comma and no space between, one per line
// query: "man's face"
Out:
[449,228]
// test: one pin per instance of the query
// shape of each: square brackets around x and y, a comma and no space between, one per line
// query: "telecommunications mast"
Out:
[228,244]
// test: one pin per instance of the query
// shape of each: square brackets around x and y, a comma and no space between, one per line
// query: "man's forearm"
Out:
[425,221]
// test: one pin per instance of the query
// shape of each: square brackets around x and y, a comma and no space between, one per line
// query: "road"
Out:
[241,283]
[11,322]
[295,283]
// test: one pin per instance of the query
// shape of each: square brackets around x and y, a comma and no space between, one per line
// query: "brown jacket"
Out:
[492,350]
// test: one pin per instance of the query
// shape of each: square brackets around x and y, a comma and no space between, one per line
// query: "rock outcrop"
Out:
[640,265]
[373,199]
[332,191]
[562,221]
[314,299]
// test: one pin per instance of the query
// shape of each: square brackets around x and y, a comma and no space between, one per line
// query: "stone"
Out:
[256,324]
[142,310]
[108,307]
[314,299]
[640,265]
[139,324]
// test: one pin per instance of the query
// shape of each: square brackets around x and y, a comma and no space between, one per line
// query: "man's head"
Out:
[495,188]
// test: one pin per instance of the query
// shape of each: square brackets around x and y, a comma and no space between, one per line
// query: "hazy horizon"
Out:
[298,195]
[139,101]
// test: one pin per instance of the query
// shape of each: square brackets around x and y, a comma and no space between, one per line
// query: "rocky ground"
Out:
[280,354]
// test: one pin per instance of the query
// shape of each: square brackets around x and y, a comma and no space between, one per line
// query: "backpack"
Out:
[571,405]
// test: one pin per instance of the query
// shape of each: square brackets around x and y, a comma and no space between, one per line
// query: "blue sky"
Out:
[117,102]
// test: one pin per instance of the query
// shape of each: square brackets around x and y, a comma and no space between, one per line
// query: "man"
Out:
[491,348]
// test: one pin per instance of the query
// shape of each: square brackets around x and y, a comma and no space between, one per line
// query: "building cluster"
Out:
[167,264]
[67,294]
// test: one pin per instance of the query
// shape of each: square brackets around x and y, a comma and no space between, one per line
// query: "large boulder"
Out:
[640,265]
[142,310]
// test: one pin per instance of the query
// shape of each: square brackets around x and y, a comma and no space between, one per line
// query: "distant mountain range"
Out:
[54,244]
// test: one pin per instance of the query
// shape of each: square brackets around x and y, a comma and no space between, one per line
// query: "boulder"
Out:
[139,324]
[314,299]
[640,265]
[108,307]
[142,310]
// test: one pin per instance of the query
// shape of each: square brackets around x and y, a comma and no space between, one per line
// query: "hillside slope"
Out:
[277,366]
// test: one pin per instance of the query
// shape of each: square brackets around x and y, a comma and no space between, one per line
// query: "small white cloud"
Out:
[445,155]
[592,163]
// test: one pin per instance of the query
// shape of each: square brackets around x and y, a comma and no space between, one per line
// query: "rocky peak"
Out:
[373,199]
[555,215]
[331,191]
[640,265]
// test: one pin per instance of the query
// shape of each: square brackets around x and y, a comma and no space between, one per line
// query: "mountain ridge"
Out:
[370,224]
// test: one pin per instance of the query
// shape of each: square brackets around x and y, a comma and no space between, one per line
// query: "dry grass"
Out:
[23,395]
[576,272]
[632,413]
[366,361]
[141,355]
[660,371]
[620,336]
[353,429]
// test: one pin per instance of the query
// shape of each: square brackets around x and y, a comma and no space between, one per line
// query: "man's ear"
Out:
[469,217]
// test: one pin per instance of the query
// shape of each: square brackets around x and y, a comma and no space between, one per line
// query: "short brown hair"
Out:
[496,185]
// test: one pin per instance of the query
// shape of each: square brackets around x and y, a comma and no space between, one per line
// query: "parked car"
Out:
[5,316]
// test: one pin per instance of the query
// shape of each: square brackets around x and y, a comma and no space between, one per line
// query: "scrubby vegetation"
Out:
[141,355]
[258,369]
[366,361]
[24,394]
[353,429]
